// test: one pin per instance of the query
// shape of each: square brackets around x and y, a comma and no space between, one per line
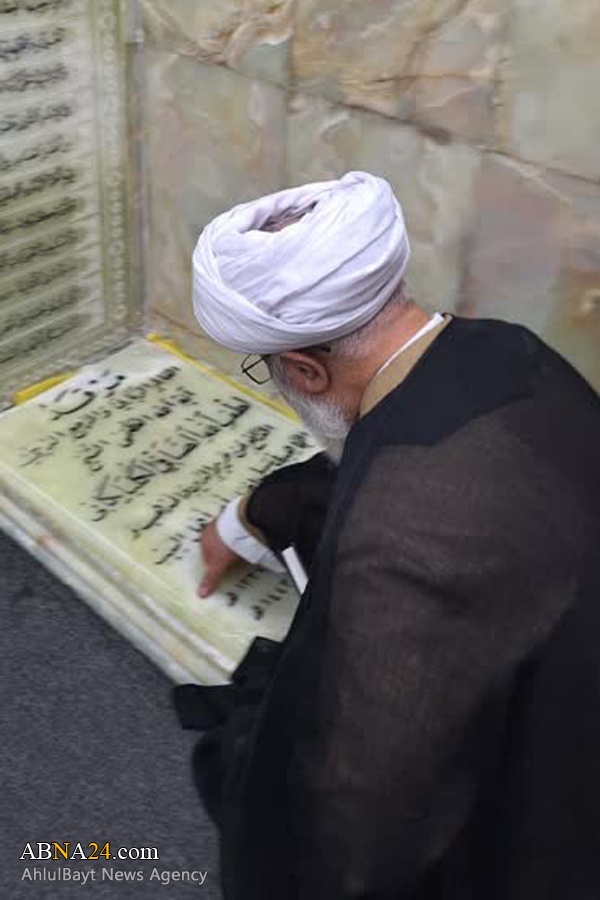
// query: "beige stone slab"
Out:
[433,182]
[534,257]
[213,139]
[552,113]
[126,463]
[250,36]
[428,61]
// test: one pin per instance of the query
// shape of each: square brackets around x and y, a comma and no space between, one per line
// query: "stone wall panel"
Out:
[249,35]
[533,257]
[433,61]
[214,139]
[551,107]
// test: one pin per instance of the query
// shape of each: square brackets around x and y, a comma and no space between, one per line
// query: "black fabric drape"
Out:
[430,727]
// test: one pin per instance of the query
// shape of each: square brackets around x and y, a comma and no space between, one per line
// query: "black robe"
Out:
[430,727]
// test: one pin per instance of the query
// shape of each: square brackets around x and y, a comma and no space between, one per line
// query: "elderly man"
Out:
[430,727]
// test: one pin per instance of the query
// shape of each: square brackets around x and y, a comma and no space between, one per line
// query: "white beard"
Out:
[326,421]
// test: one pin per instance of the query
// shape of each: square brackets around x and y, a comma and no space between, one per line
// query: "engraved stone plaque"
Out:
[65,293]
[127,461]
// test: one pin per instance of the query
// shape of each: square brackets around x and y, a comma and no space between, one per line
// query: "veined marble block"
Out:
[248,35]
[65,291]
[429,61]
[433,181]
[551,107]
[533,256]
[121,467]
[213,139]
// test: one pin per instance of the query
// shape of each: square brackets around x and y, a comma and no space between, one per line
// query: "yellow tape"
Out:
[172,347]
[39,387]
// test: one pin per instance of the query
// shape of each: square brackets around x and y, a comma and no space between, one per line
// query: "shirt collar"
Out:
[396,370]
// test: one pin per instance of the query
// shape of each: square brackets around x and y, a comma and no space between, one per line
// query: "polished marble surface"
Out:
[213,138]
[533,256]
[549,93]
[429,62]
[251,36]
[481,114]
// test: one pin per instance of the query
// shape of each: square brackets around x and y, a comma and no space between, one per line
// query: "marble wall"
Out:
[482,114]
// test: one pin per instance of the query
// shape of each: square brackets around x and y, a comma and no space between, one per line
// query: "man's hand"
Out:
[217,558]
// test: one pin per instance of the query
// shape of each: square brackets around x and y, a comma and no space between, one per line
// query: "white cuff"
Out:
[233,533]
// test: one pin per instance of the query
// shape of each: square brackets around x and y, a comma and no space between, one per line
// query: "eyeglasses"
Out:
[258,362]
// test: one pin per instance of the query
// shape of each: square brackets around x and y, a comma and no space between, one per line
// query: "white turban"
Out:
[313,281]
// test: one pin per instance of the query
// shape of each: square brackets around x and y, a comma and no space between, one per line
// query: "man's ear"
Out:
[306,373]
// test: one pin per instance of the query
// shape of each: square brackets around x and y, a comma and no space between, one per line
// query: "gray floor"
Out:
[91,749]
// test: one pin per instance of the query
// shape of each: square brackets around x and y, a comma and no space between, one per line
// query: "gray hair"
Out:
[353,346]
[360,342]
